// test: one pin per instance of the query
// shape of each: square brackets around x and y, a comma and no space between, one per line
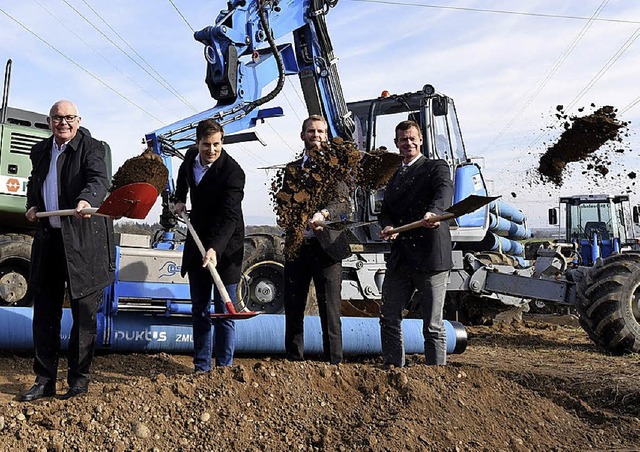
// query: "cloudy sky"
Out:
[133,67]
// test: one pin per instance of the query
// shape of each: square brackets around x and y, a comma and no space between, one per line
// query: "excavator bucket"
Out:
[131,201]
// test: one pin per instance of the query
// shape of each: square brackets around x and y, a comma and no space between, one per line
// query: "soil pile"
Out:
[147,167]
[527,386]
[582,136]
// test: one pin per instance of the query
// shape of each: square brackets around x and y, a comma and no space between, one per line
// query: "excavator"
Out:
[245,53]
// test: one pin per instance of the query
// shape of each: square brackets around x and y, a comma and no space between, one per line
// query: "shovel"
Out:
[344,225]
[467,205]
[131,201]
[232,314]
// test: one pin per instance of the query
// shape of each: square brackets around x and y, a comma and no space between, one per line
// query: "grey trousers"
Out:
[397,289]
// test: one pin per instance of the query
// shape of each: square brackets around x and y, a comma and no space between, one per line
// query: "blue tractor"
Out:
[597,225]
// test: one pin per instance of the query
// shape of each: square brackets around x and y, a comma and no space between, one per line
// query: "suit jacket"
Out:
[216,213]
[88,243]
[334,243]
[426,187]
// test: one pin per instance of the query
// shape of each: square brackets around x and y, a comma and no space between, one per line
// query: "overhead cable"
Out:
[81,68]
[157,77]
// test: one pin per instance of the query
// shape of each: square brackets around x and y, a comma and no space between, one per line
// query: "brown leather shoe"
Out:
[73,392]
[38,391]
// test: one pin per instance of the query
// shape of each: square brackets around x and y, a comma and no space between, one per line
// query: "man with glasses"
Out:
[68,172]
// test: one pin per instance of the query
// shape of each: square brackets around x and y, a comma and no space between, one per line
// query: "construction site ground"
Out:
[530,385]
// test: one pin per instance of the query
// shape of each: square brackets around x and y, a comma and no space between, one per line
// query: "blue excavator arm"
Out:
[242,58]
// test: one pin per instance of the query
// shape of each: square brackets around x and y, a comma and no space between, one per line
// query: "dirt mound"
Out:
[582,136]
[147,167]
[527,386]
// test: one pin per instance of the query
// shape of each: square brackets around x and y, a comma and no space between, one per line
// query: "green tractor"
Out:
[19,131]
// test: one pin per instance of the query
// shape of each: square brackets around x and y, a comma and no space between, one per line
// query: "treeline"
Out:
[129,227]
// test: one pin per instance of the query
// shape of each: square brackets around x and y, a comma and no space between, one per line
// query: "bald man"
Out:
[74,253]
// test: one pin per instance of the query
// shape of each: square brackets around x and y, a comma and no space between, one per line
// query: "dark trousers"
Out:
[313,263]
[47,315]
[224,330]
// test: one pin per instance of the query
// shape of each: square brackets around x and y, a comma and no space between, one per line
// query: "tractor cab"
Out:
[598,225]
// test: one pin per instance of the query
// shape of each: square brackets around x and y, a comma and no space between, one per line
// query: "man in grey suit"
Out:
[420,259]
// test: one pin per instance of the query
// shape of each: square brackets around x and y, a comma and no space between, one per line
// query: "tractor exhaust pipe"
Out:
[5,92]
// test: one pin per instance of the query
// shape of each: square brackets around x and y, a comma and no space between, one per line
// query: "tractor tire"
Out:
[261,285]
[609,303]
[15,260]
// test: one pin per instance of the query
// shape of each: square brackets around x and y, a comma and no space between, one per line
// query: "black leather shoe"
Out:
[73,392]
[38,391]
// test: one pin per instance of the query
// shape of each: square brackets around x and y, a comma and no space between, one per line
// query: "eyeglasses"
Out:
[68,118]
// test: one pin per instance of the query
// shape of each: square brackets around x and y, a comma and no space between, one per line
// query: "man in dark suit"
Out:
[215,182]
[420,259]
[68,172]
[318,258]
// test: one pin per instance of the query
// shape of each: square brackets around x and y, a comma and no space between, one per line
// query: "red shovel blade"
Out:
[233,314]
[131,201]
[237,315]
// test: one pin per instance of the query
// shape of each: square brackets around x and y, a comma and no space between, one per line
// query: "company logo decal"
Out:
[169,269]
[13,185]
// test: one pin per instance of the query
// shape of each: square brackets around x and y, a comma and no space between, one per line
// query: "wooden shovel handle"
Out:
[69,212]
[416,224]
[212,269]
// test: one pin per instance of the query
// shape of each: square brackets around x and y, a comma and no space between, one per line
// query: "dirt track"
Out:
[531,386]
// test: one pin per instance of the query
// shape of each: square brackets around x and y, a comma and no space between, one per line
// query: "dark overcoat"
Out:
[216,213]
[88,243]
[425,187]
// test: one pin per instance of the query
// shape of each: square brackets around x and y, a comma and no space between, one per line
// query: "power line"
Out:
[606,67]
[80,38]
[157,78]
[630,105]
[183,18]
[542,82]
[494,11]
[80,67]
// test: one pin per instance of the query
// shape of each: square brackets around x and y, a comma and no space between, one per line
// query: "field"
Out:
[529,385]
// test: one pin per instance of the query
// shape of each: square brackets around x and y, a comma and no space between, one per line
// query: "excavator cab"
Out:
[375,122]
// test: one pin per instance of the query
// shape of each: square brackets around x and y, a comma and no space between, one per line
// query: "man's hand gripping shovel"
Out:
[232,314]
[469,204]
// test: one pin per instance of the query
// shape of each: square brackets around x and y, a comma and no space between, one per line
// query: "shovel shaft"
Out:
[417,224]
[212,269]
[69,212]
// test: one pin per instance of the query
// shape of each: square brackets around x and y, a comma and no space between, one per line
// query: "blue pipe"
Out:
[505,210]
[135,332]
[504,227]
[507,246]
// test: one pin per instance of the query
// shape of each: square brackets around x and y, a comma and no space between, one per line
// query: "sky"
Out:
[133,67]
